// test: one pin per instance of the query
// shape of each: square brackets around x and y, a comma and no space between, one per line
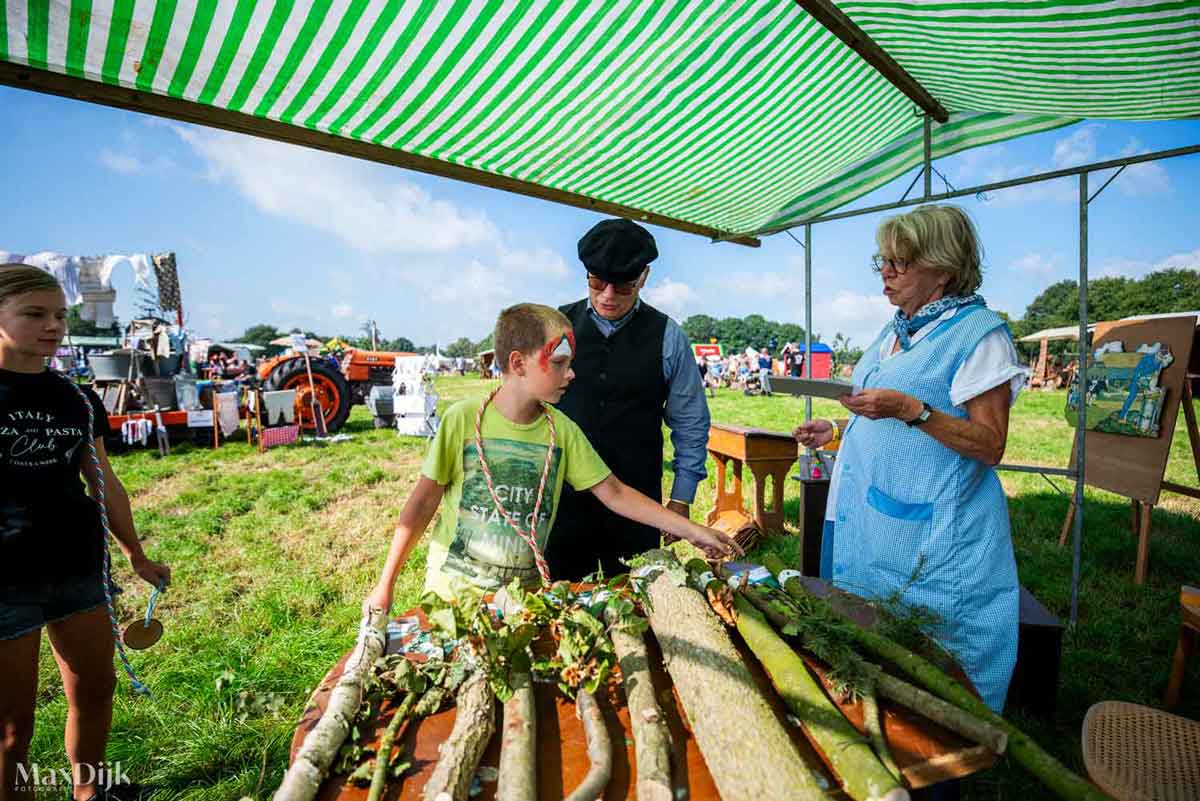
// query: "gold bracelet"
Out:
[837,436]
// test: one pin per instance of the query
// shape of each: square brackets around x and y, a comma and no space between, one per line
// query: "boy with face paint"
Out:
[529,450]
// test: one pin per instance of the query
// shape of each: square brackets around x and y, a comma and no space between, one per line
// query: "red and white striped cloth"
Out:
[280,435]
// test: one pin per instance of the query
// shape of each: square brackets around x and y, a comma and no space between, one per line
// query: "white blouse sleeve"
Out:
[993,362]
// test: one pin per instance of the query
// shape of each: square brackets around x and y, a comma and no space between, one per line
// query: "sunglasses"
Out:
[599,285]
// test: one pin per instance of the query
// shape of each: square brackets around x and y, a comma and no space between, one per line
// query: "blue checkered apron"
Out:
[917,518]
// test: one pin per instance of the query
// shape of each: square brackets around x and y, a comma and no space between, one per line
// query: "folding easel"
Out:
[1135,467]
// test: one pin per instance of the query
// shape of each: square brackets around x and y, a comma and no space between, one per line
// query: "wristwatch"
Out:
[926,413]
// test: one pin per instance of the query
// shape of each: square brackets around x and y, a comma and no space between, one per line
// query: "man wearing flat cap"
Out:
[634,370]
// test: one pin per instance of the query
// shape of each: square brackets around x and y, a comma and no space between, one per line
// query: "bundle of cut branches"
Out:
[322,744]
[754,759]
[863,775]
[818,615]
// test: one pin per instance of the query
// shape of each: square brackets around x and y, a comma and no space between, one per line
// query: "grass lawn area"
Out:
[273,553]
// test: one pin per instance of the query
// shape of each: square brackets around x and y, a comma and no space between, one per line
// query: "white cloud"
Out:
[1180,261]
[450,267]
[756,284]
[534,261]
[131,159]
[859,317]
[994,164]
[671,297]
[1078,147]
[1134,268]
[458,302]
[292,311]
[1114,268]
[1141,180]
[120,162]
[1038,264]
[338,195]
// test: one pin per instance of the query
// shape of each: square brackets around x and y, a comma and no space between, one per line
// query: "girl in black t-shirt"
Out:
[51,539]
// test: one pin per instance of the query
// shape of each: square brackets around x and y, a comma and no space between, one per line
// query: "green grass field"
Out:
[273,553]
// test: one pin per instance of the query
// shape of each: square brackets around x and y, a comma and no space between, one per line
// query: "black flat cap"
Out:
[617,250]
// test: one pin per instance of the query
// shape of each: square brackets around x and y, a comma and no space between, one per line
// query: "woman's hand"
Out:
[814,433]
[880,404]
[153,573]
[380,597]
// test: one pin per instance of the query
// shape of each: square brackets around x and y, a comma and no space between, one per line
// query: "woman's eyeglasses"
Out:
[900,266]
[599,285]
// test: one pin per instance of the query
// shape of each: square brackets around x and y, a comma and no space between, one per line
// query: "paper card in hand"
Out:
[809,387]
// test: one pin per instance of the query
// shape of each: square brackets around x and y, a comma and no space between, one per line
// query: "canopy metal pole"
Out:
[1081,419]
[928,137]
[992,187]
[808,316]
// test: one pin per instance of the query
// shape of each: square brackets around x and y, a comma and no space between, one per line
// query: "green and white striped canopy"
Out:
[732,117]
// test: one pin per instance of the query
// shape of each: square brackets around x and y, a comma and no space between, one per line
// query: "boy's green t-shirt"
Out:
[472,541]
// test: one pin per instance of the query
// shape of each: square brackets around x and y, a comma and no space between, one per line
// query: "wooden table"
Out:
[1189,636]
[925,753]
[768,454]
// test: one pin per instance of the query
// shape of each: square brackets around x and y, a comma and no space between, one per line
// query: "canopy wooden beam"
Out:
[844,28]
[25,77]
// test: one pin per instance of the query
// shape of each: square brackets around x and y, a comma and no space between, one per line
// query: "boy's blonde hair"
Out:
[524,328]
[941,235]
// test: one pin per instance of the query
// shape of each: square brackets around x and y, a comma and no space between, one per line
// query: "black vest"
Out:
[619,392]
[617,398]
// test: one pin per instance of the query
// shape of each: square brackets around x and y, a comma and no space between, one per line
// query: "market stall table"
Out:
[925,752]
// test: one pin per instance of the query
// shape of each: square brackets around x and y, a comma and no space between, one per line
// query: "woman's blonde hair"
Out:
[942,237]
[17,279]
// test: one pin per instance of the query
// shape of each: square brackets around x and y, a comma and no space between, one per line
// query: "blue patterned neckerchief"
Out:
[905,327]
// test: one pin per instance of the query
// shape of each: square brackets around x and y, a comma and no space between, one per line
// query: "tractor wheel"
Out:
[333,392]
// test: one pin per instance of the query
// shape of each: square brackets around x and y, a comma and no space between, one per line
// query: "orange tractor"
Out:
[340,380]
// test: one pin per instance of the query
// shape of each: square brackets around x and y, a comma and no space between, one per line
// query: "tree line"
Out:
[1109,298]
[1162,292]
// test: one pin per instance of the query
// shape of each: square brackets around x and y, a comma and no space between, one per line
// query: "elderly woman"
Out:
[915,507]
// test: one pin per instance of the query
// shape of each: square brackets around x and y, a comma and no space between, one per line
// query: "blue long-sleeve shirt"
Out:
[686,410]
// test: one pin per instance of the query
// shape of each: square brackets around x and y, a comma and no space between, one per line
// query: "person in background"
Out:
[915,505]
[717,373]
[764,370]
[797,364]
[52,542]
[702,365]
[634,373]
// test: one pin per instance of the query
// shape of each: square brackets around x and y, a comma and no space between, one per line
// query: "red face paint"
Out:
[550,347]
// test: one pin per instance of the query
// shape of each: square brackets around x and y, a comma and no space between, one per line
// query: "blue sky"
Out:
[283,235]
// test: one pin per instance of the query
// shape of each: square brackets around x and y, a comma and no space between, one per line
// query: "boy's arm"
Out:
[422,505]
[628,502]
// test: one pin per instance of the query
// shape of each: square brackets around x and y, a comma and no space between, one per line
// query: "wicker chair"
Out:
[1136,753]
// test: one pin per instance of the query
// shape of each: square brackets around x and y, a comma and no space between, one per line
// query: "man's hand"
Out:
[880,404]
[683,510]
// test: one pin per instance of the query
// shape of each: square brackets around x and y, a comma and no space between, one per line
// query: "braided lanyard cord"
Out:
[106,579]
[529,537]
